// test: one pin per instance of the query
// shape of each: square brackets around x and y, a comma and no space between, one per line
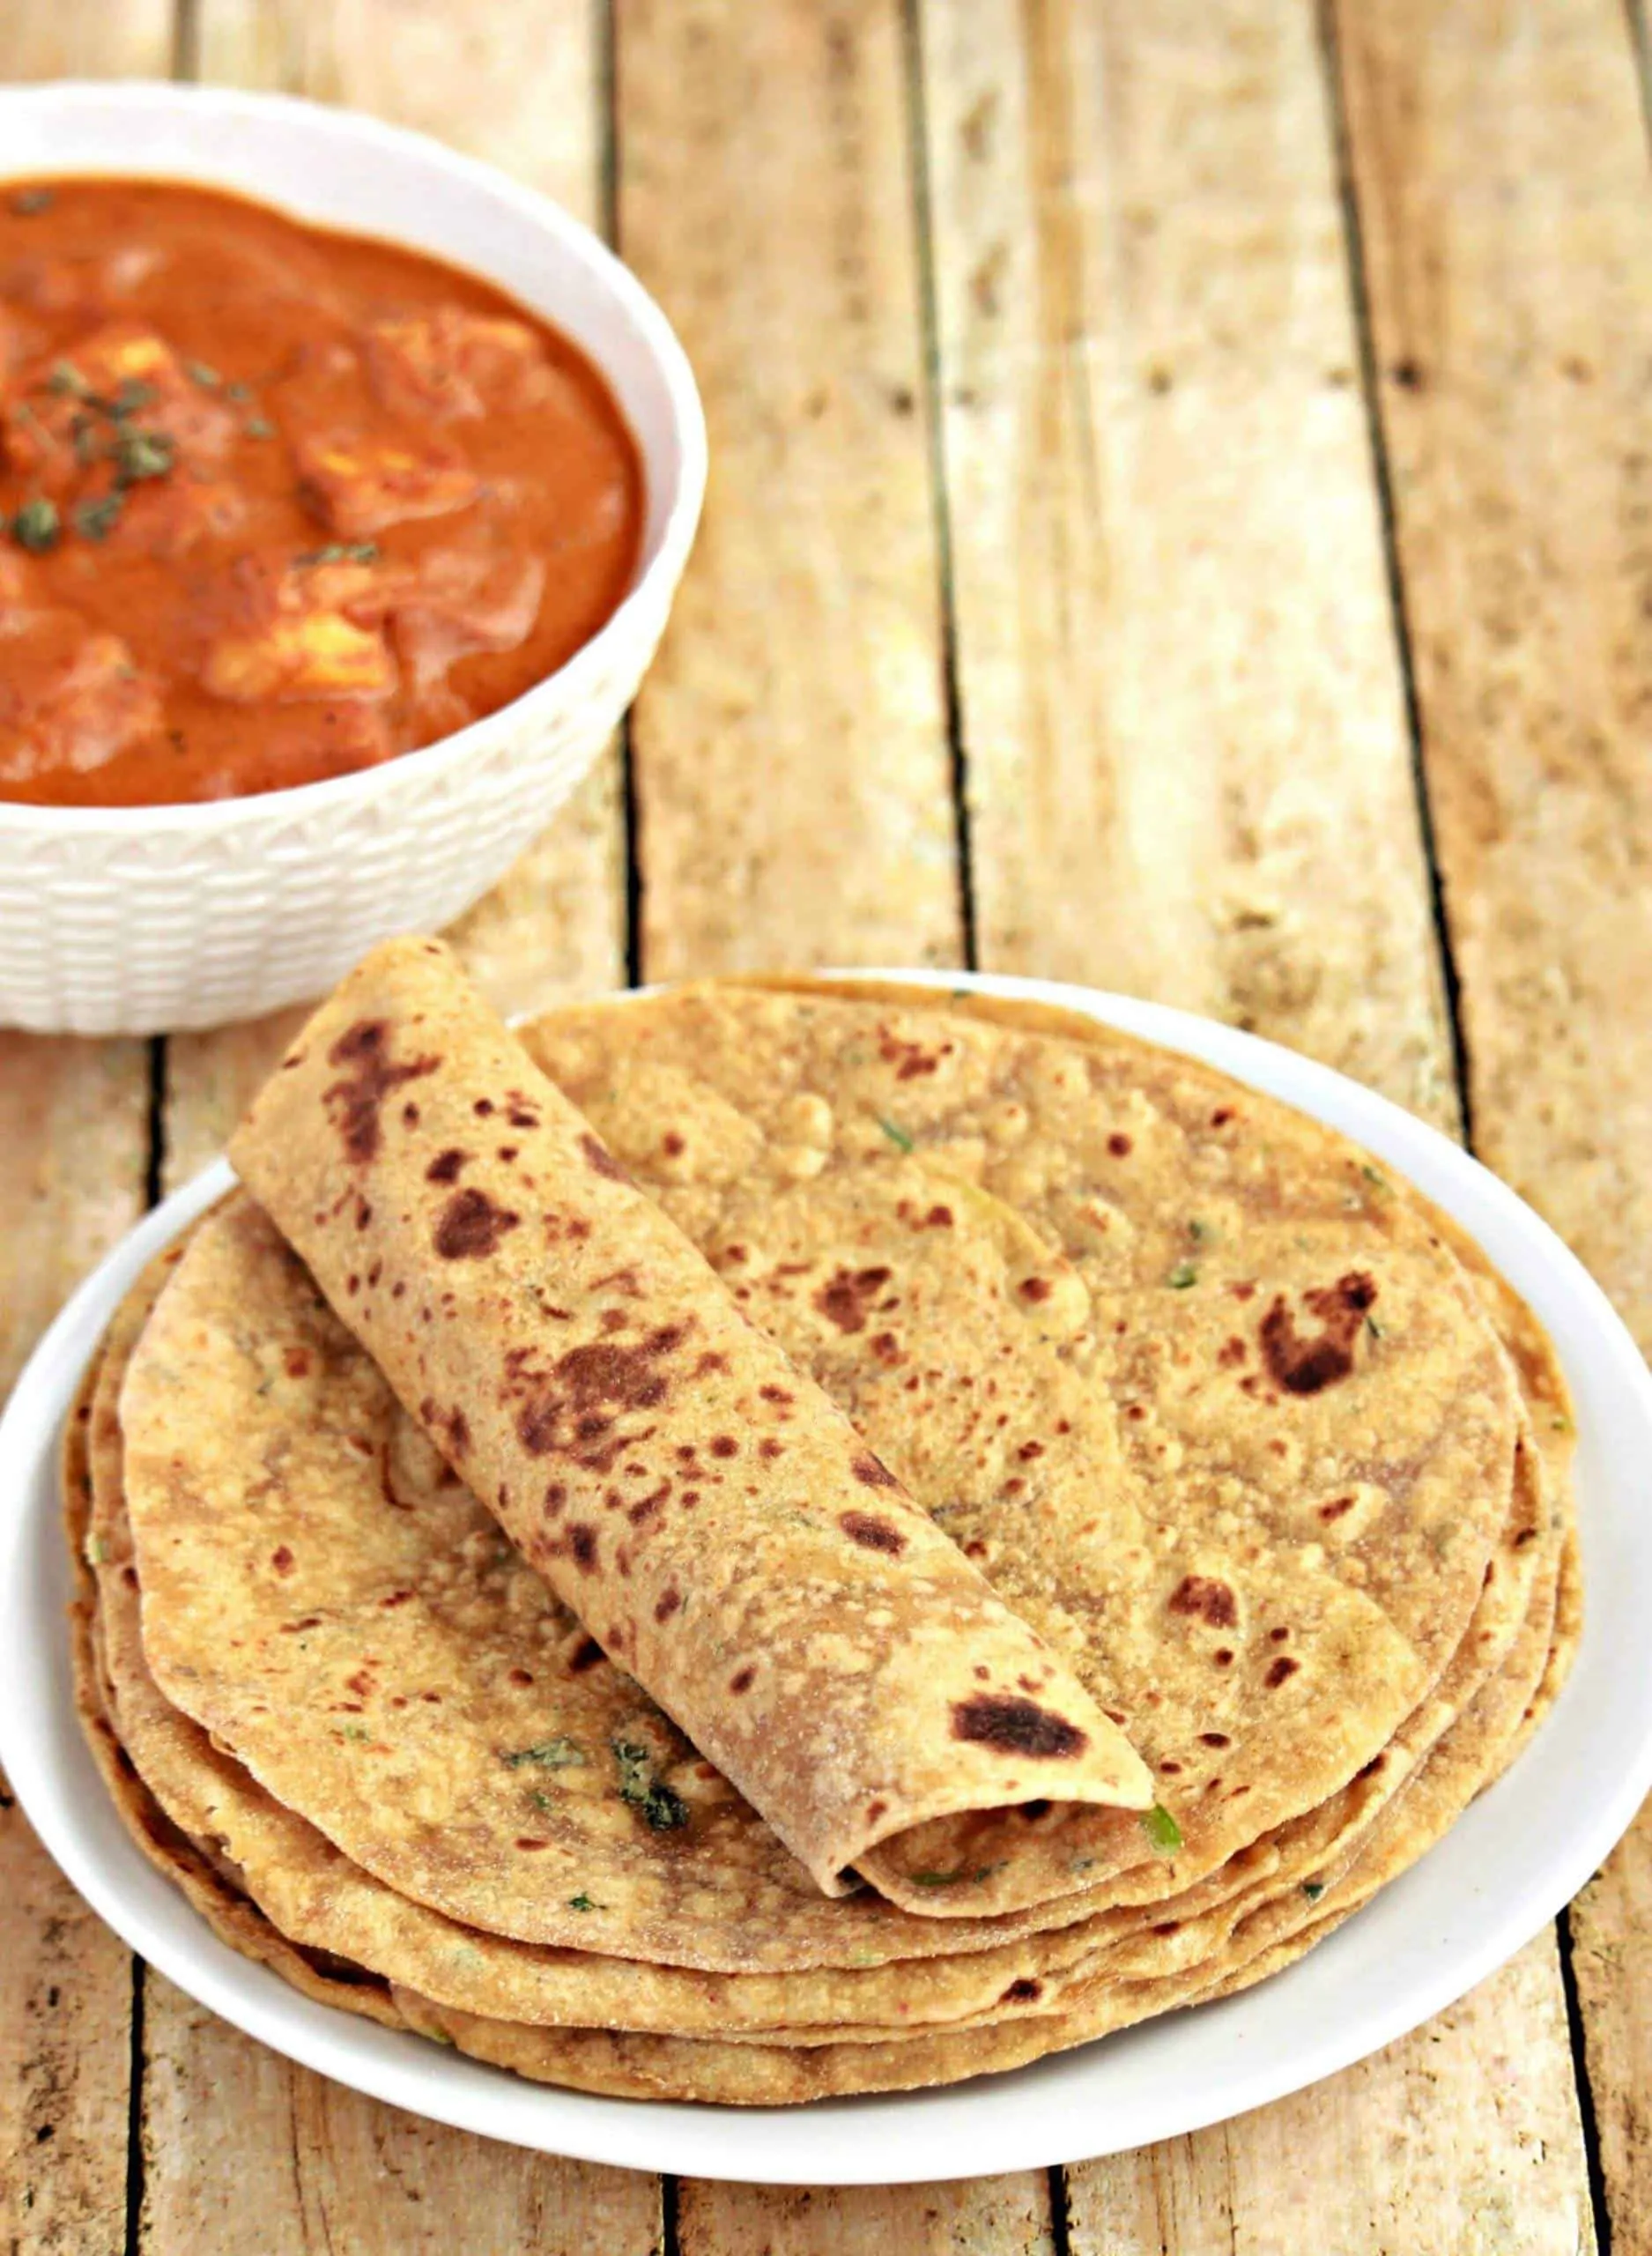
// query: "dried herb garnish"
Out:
[37,526]
[1312,1889]
[96,520]
[259,426]
[581,1903]
[66,382]
[897,1136]
[130,395]
[28,202]
[662,1805]
[1181,1276]
[340,551]
[200,372]
[549,1755]
[238,392]
[143,454]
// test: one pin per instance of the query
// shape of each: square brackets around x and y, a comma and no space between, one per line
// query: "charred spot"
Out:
[1034,1810]
[471,1226]
[847,1296]
[1232,1351]
[1308,1366]
[354,1101]
[396,1598]
[1035,1289]
[1278,1637]
[446,1165]
[297,1361]
[1210,1601]
[1024,1991]
[281,1559]
[556,1495]
[667,1604]
[1335,1508]
[1170,1767]
[713,1360]
[776,1394]
[743,1679]
[530,1840]
[724,1445]
[520,1676]
[570,1411]
[585,1655]
[1280,1672]
[872,1533]
[582,1543]
[1377,1762]
[1120,1144]
[673,1145]
[1222,1115]
[602,1162]
[1223,1656]
[870,1471]
[1245,1290]
[453,1423]
[875,1810]
[1012,1725]
[1214,1739]
[938,1217]
[649,1507]
[1030,1450]
[770,1448]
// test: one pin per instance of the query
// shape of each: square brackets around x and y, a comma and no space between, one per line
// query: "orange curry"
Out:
[276,502]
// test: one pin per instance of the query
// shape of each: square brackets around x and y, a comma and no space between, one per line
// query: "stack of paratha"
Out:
[1240,1435]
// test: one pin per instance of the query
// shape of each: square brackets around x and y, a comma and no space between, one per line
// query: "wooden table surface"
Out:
[1180,519]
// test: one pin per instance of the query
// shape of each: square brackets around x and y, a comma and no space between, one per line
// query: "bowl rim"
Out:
[572,681]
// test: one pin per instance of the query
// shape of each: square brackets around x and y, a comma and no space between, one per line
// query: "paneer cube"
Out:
[444,364]
[69,697]
[358,483]
[300,655]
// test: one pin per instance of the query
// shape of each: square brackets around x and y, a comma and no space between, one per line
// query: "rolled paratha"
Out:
[707,1511]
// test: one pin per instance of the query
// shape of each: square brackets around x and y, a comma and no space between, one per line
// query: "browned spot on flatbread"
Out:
[848,1296]
[667,1603]
[353,1102]
[446,1165]
[1016,1726]
[874,1535]
[872,1473]
[570,1410]
[471,1226]
[602,1162]
[1210,1601]
[582,1543]
[1308,1366]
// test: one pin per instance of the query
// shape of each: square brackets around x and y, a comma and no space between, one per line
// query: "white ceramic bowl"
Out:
[134,920]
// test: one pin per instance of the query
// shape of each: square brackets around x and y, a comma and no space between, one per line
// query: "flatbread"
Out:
[709,1512]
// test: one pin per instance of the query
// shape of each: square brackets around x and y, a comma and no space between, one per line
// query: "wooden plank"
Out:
[247,2156]
[1502,178]
[74,1129]
[980,2216]
[1444,2141]
[790,748]
[1499,160]
[242,2150]
[1183,721]
[1188,770]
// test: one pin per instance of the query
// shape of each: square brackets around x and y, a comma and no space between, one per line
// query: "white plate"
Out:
[1504,1871]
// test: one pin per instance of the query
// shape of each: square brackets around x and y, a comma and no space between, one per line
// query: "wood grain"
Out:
[243,2151]
[790,746]
[1189,774]
[1182,712]
[246,2156]
[1501,171]
[75,1140]
[1447,2142]
[980,2216]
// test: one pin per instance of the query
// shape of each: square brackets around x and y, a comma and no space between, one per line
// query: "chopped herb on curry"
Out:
[549,1755]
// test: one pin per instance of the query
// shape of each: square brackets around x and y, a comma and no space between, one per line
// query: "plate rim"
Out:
[1020,2120]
